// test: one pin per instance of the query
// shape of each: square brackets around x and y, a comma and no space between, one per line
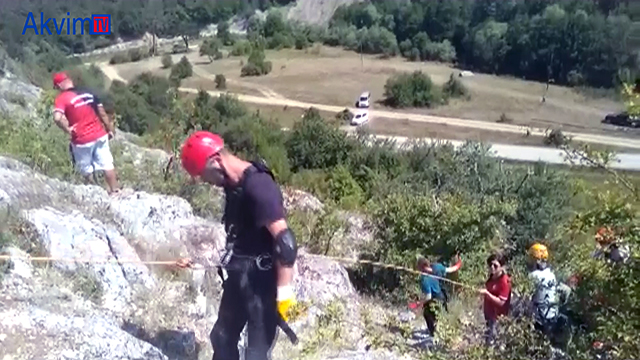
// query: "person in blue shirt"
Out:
[433,295]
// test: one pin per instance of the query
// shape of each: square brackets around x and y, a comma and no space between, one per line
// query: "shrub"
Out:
[229,107]
[120,58]
[443,51]
[211,48]
[89,77]
[344,189]
[181,70]
[415,89]
[555,138]
[256,64]
[138,54]
[250,69]
[241,48]
[280,40]
[316,144]
[135,113]
[504,118]
[167,62]
[154,90]
[454,88]
[575,78]
[45,150]
[301,41]
[221,82]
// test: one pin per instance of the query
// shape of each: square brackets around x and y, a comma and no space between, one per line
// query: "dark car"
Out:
[622,119]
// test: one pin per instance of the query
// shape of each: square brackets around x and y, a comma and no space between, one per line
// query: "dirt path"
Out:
[111,72]
[274,99]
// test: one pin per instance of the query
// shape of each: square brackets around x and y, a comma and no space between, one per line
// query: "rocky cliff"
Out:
[85,305]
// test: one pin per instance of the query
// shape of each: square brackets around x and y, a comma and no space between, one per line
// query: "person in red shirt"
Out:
[497,294]
[80,114]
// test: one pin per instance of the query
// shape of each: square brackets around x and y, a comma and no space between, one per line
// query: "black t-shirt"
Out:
[261,203]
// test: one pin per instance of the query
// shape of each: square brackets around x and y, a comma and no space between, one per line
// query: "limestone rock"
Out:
[33,333]
[18,264]
[321,280]
[152,220]
[300,200]
[72,236]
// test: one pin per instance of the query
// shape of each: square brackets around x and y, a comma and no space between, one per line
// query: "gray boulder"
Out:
[153,220]
[74,237]
[320,280]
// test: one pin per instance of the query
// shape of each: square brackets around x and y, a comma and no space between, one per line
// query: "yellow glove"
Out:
[286,299]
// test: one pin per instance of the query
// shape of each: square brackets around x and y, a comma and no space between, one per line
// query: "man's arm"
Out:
[269,212]
[456,266]
[287,248]
[62,122]
[108,124]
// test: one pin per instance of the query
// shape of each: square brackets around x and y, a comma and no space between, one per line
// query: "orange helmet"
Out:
[605,235]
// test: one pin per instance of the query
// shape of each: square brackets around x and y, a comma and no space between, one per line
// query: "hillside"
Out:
[88,275]
[347,312]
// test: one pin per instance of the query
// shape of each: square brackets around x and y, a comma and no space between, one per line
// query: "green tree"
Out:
[211,48]
[224,34]
[316,144]
[274,24]
[256,64]
[180,23]
[181,70]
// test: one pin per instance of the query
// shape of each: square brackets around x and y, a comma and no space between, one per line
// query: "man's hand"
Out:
[184,263]
[286,299]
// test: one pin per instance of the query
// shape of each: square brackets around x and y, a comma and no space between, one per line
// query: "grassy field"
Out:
[333,76]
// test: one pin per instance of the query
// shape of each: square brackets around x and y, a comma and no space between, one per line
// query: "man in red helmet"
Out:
[261,249]
[80,114]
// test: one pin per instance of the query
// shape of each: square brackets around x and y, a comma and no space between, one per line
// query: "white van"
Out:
[363,100]
[360,118]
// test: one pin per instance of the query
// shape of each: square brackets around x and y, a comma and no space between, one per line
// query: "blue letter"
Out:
[43,24]
[81,24]
[55,24]
[33,21]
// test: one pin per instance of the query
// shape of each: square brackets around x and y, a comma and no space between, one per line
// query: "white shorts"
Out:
[93,156]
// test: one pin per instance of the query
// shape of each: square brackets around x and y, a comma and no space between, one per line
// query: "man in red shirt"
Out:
[80,114]
[497,294]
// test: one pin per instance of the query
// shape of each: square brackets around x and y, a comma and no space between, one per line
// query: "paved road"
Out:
[533,153]
[508,152]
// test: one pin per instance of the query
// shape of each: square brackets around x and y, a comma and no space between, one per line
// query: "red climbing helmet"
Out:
[197,149]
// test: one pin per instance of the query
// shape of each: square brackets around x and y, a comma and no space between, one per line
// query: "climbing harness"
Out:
[232,261]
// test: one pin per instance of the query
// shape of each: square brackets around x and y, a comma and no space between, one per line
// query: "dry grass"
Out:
[333,76]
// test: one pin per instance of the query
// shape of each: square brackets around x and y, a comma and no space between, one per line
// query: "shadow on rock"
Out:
[175,344]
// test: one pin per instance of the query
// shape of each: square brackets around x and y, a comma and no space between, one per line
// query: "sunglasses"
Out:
[494,265]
